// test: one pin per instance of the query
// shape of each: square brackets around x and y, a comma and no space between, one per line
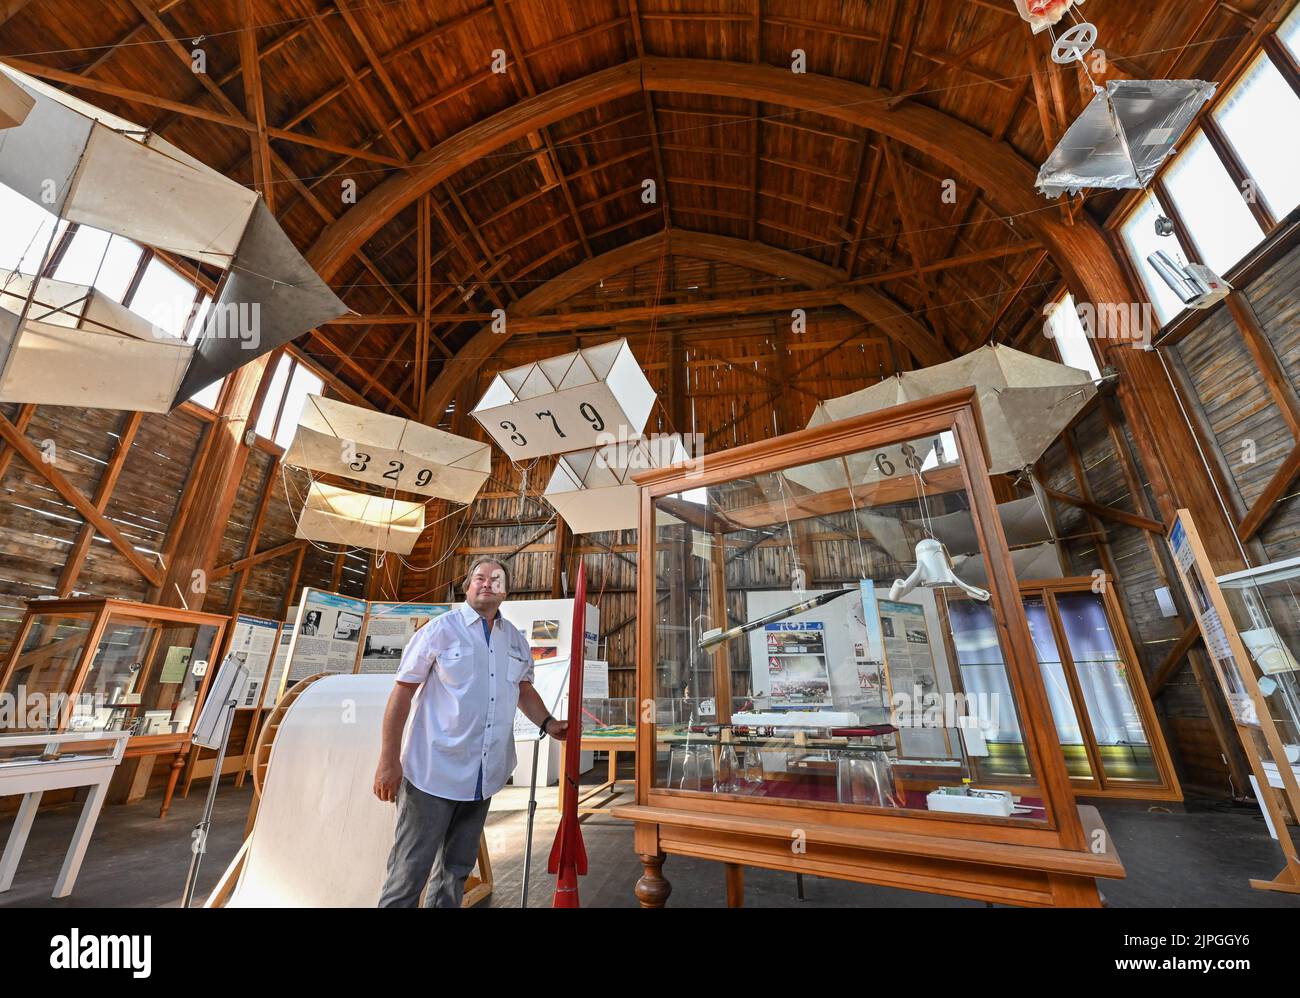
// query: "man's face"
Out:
[487,588]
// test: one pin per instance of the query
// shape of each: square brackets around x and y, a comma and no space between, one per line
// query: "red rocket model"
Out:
[568,855]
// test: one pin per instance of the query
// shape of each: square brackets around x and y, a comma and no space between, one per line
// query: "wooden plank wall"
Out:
[39,527]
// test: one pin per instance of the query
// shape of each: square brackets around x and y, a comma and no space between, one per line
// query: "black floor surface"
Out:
[1202,856]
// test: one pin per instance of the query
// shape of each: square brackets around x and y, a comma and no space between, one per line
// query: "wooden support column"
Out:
[718,614]
[215,486]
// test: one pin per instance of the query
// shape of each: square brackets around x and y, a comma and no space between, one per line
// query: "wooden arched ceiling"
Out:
[873,306]
[535,172]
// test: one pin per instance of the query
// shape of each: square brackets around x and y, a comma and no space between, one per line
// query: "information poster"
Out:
[279,665]
[1212,629]
[327,634]
[798,675]
[869,647]
[252,641]
[908,651]
[551,681]
[389,629]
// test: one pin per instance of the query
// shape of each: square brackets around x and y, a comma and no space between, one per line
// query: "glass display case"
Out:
[111,665]
[796,645]
[1264,603]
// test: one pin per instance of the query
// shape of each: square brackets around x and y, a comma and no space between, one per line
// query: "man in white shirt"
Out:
[465,671]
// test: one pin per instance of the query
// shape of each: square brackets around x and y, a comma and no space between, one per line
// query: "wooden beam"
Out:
[1106,512]
[1169,665]
[255,103]
[958,61]
[75,498]
[103,492]
[21,421]
[1274,491]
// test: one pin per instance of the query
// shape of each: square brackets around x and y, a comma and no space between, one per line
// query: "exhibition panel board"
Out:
[790,761]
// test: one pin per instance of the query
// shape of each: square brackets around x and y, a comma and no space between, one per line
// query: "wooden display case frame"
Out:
[100,609]
[1053,862]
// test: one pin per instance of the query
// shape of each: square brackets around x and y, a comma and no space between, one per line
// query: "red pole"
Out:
[568,855]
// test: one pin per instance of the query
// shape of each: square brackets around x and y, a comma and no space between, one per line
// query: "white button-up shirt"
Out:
[464,711]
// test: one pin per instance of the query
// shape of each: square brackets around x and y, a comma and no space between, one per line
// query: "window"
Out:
[25,234]
[165,298]
[98,259]
[302,384]
[1221,224]
[291,383]
[1289,33]
[274,396]
[208,396]
[1071,339]
[1139,235]
[1258,116]
[200,317]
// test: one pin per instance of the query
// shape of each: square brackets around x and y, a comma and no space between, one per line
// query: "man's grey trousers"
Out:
[436,844]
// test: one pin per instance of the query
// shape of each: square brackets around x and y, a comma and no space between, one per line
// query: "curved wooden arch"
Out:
[876,308]
[1080,250]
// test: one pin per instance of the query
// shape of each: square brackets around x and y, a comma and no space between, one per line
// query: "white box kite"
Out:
[352,519]
[336,438]
[567,403]
[593,489]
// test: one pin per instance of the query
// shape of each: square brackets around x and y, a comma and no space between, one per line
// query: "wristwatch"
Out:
[548,720]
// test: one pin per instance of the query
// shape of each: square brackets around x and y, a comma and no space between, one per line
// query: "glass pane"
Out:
[98,259]
[25,232]
[303,383]
[1104,681]
[144,676]
[274,395]
[1140,238]
[1210,203]
[1068,731]
[207,397]
[1265,605]
[1071,339]
[165,298]
[200,317]
[784,669]
[1289,33]
[46,669]
[1259,117]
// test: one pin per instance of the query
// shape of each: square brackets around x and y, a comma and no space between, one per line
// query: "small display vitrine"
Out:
[803,707]
[115,666]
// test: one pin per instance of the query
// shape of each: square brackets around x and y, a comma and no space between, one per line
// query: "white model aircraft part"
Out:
[593,489]
[350,441]
[1042,14]
[568,403]
[933,571]
[352,519]
[1119,141]
[1025,402]
[80,348]
[15,103]
[94,168]
[1041,561]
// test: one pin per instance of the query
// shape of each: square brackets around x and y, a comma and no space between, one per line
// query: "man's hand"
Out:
[557,729]
[388,777]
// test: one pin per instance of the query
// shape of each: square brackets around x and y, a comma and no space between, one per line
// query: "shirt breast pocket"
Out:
[456,667]
[517,667]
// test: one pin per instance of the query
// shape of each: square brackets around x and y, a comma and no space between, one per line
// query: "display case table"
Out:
[793,608]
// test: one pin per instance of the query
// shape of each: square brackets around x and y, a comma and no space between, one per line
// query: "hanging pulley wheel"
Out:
[1073,44]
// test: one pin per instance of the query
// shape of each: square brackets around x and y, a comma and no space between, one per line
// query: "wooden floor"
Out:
[1198,858]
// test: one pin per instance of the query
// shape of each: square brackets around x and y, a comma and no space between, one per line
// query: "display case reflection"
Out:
[804,640]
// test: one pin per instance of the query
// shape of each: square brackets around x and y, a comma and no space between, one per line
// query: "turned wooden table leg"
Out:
[735,885]
[652,889]
[175,774]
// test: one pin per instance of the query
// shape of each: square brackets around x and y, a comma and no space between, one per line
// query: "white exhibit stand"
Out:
[31,776]
[550,678]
